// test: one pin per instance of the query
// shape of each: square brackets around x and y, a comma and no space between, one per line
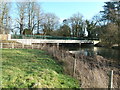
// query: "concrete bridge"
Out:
[53,41]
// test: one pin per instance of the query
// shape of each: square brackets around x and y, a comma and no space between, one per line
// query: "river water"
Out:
[92,50]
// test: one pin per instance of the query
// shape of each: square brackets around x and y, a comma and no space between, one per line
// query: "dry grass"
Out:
[92,72]
[7,41]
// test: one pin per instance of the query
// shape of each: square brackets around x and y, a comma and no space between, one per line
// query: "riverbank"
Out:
[115,46]
[30,68]
[92,72]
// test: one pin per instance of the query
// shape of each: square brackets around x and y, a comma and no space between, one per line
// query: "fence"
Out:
[18,45]
[50,37]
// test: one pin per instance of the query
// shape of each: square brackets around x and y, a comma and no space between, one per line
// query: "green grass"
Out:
[27,68]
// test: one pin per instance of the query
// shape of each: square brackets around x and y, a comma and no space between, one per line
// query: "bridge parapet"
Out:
[50,37]
[29,39]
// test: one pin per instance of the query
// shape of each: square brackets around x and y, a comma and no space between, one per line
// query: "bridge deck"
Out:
[30,41]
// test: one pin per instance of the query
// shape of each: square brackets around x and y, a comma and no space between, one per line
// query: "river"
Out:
[90,50]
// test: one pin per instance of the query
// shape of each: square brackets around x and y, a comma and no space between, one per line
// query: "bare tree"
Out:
[49,23]
[21,7]
[4,14]
[31,12]
[38,17]
[28,16]
[76,22]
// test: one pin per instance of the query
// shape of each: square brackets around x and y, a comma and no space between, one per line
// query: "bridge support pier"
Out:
[79,44]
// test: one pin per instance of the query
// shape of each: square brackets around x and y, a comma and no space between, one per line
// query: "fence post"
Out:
[62,54]
[38,46]
[57,45]
[53,51]
[111,80]
[74,67]
[12,45]
[32,46]
[22,45]
[1,45]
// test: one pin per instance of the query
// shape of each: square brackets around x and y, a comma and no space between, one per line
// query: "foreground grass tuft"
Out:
[27,68]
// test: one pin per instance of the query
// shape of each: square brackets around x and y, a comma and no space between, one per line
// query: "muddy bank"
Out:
[92,72]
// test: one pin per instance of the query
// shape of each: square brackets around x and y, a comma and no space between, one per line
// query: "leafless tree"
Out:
[49,23]
[39,17]
[31,13]
[76,22]
[21,7]
[4,14]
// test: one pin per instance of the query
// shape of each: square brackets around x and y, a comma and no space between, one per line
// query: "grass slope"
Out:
[27,68]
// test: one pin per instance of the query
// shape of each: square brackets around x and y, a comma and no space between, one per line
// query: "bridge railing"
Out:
[50,37]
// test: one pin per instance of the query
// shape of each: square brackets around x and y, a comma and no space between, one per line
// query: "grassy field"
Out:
[27,68]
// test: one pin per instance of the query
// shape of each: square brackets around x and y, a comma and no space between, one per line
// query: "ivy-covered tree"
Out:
[65,30]
[27,32]
[111,13]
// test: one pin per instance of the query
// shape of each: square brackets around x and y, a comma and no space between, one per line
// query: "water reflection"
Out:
[91,51]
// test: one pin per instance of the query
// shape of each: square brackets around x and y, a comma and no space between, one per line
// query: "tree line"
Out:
[109,26]
[31,19]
